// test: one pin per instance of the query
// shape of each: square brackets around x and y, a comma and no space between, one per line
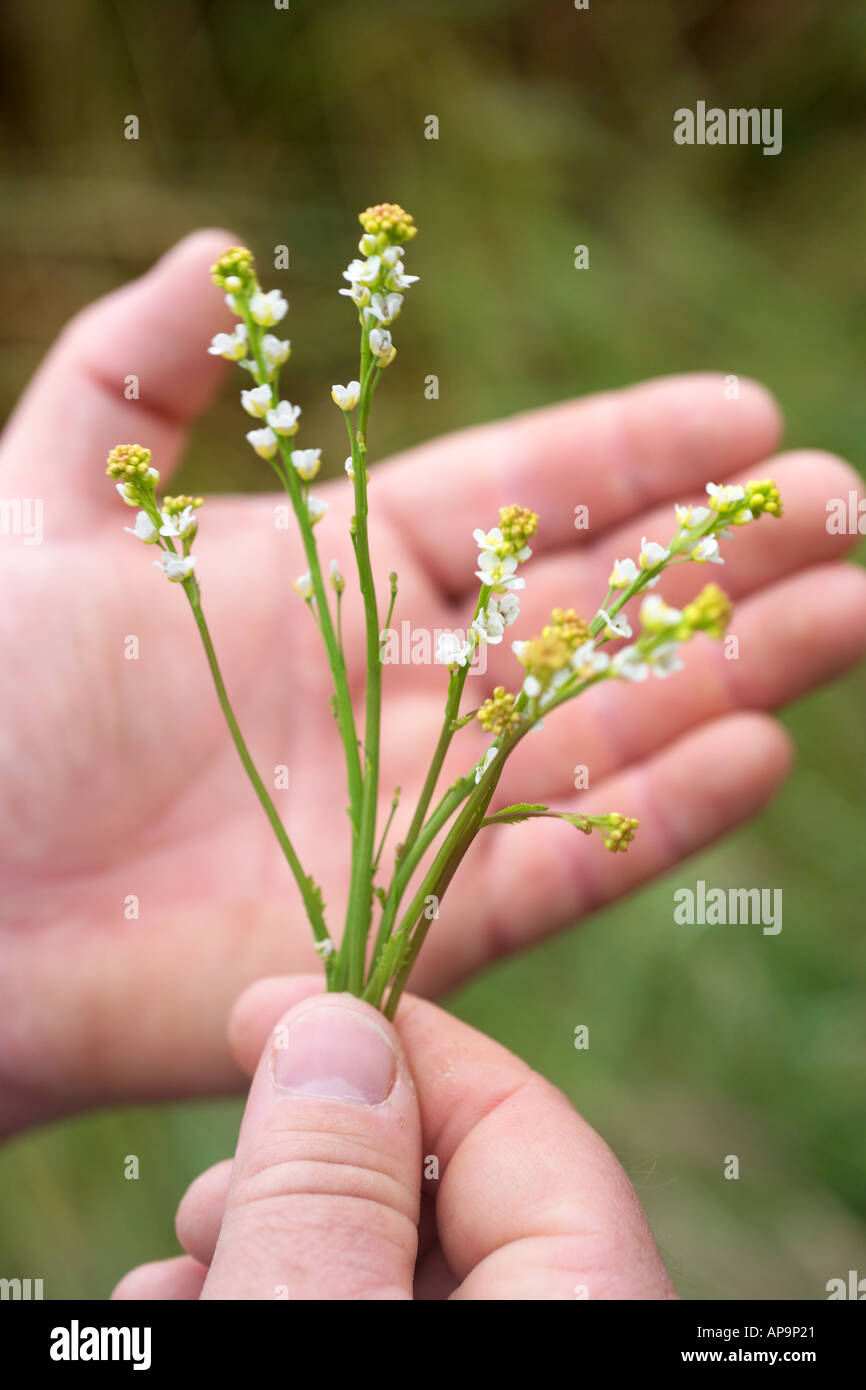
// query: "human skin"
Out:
[119,777]
[520,1198]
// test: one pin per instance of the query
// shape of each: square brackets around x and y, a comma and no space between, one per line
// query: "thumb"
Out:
[324,1197]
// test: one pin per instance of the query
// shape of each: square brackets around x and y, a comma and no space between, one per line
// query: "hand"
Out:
[119,777]
[521,1199]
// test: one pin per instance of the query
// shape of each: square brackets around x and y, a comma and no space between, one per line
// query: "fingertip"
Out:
[178,1279]
[195,251]
[200,1210]
[773,749]
[761,406]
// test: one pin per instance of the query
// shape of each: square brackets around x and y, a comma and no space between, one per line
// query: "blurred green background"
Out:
[555,129]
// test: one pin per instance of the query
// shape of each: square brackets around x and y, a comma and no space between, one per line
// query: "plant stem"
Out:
[407,857]
[309,892]
[360,898]
[290,481]
[402,950]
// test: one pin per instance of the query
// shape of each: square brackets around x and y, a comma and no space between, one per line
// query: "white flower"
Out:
[233,283]
[363,272]
[380,342]
[264,442]
[506,605]
[257,402]
[338,579]
[665,660]
[651,554]
[624,572]
[707,549]
[532,687]
[488,540]
[350,468]
[316,509]
[126,496]
[359,294]
[691,516]
[656,615]
[490,626]
[144,529]
[230,345]
[397,279]
[616,626]
[497,571]
[275,351]
[346,397]
[268,309]
[725,496]
[175,567]
[587,661]
[629,665]
[178,525]
[518,648]
[391,255]
[303,585]
[385,307]
[484,765]
[283,417]
[307,462]
[452,650]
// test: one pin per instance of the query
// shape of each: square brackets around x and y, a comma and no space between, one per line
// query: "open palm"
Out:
[142,887]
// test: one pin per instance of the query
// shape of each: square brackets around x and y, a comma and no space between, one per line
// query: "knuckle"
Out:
[350,1167]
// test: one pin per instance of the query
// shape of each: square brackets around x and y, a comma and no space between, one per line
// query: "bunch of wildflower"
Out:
[498,714]
[567,657]
[377,279]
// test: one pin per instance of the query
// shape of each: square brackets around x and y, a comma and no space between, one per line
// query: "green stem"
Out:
[360,898]
[309,892]
[407,857]
[402,950]
[290,481]
[394,804]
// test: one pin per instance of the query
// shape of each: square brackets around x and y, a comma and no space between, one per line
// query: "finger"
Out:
[179,1279]
[532,1204]
[155,330]
[257,1011]
[528,1196]
[782,643]
[687,796]
[755,555]
[325,1190]
[615,453]
[200,1211]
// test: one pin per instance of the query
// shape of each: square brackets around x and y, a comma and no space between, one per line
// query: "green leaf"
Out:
[510,815]
[525,810]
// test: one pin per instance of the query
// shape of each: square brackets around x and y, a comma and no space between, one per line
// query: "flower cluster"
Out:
[258,352]
[551,659]
[570,653]
[136,478]
[617,831]
[375,282]
[174,520]
[498,714]
[500,552]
